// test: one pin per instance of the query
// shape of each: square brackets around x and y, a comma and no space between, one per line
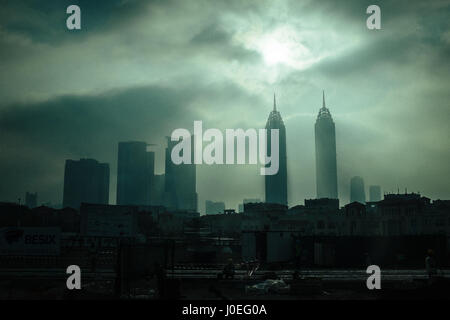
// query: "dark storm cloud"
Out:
[45,21]
[82,117]
[351,11]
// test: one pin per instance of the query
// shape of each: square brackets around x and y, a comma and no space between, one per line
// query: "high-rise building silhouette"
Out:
[357,192]
[135,170]
[375,193]
[326,168]
[180,182]
[276,185]
[87,181]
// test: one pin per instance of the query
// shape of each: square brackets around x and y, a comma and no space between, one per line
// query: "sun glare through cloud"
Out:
[282,46]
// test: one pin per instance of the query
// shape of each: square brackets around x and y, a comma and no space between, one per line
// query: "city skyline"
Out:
[171,201]
[179,181]
[138,70]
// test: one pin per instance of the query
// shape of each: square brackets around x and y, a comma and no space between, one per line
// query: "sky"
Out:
[137,70]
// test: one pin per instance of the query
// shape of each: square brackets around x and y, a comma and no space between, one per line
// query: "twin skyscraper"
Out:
[326,167]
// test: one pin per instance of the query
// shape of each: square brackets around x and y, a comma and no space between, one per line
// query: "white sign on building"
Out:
[32,241]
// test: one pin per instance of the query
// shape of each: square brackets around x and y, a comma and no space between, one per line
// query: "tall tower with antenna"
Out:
[326,167]
[276,185]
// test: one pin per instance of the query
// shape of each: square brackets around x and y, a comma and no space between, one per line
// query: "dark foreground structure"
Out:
[315,251]
[180,269]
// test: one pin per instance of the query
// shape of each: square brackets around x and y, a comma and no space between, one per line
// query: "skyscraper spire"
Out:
[274,103]
[276,184]
[324,112]
[326,168]
[323,97]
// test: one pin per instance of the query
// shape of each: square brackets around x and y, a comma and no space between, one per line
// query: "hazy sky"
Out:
[139,69]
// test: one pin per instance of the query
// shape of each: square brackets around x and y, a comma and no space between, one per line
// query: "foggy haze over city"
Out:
[220,63]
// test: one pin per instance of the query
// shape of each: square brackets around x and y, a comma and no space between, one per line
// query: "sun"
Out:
[274,51]
[282,47]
